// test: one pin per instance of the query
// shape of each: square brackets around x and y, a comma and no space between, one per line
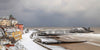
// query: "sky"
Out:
[53,13]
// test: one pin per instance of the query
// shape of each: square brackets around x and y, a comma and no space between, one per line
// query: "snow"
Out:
[29,44]
[89,35]
[48,40]
[86,36]
[80,28]
[92,43]
[26,43]
[56,47]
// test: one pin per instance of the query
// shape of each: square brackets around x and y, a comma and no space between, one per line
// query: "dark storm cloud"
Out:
[53,12]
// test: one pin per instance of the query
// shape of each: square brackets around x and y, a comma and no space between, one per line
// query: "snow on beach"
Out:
[56,47]
[26,43]
[29,44]
[48,40]
[94,36]
[85,36]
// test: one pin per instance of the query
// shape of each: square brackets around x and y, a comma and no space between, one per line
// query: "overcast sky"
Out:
[53,12]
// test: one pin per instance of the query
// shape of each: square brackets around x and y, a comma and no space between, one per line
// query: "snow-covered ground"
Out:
[90,37]
[48,40]
[84,36]
[29,44]
[26,43]
[56,47]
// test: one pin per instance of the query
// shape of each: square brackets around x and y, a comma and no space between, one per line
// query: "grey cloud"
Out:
[53,12]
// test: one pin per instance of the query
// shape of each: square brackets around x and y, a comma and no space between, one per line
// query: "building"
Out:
[8,21]
[5,22]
